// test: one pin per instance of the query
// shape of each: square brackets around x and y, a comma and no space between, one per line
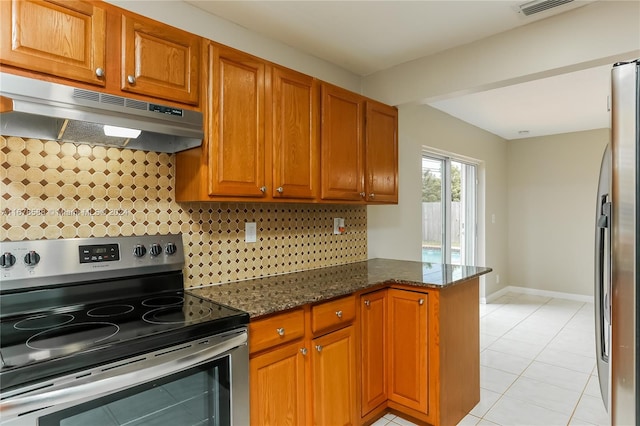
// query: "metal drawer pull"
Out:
[339,314]
[363,194]
[372,195]
[319,348]
[131,79]
[99,72]
[303,351]
[367,303]
[280,331]
[280,189]
[263,189]
[421,301]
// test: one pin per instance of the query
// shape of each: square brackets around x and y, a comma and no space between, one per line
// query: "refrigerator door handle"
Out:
[602,289]
[604,223]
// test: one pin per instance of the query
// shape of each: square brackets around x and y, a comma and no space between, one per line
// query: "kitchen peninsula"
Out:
[345,344]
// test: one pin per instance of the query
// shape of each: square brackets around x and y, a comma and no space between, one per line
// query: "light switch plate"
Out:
[250,232]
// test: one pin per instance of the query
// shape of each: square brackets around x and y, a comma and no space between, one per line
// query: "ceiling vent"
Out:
[537,6]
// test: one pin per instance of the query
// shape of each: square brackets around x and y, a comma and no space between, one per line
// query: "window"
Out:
[448,210]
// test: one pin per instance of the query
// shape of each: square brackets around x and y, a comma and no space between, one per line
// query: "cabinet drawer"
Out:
[275,330]
[333,314]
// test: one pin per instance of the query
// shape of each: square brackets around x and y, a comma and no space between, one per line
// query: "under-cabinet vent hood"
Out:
[43,110]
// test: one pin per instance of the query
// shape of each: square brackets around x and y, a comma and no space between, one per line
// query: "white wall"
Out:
[552,198]
[600,33]
[395,231]
[187,17]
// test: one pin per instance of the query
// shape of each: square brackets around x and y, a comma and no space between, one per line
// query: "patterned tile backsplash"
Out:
[55,190]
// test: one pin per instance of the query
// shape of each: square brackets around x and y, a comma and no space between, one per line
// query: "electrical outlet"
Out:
[250,232]
[497,278]
[338,225]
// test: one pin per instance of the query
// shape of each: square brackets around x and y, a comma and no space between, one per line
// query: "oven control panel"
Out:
[99,253]
[39,263]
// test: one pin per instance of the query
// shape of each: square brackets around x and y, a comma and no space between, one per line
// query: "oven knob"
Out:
[139,250]
[155,249]
[171,248]
[7,260]
[32,258]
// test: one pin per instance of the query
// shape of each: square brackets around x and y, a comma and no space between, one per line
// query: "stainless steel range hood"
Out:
[45,110]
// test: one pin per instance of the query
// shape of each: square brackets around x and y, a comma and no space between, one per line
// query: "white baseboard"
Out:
[536,292]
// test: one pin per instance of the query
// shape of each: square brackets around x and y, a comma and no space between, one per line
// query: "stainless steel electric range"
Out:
[99,331]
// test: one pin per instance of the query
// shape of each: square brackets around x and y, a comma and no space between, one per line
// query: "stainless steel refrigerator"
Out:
[617,295]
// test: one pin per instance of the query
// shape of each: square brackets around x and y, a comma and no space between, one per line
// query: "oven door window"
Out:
[198,396]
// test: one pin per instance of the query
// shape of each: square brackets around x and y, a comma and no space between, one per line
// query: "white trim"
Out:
[535,292]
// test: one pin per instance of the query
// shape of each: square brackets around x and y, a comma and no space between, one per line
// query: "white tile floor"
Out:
[537,365]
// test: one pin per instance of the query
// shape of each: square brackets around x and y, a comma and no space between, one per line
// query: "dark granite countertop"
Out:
[262,296]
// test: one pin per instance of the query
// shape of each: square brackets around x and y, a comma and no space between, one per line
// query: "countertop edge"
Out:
[248,296]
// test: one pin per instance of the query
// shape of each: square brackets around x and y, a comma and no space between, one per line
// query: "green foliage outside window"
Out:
[432,186]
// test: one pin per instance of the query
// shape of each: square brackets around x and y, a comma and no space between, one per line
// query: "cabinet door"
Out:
[408,380]
[334,377]
[373,362]
[64,39]
[295,134]
[381,150]
[277,386]
[236,124]
[160,61]
[342,156]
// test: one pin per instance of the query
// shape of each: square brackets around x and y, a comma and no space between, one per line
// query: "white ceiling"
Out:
[368,36]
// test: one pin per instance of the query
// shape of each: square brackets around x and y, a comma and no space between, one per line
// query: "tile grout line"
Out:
[534,359]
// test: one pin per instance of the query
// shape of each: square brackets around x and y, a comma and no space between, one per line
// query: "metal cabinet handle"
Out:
[339,314]
[363,194]
[280,331]
[131,79]
[421,302]
[319,348]
[303,351]
[372,195]
[263,189]
[367,303]
[99,72]
[280,189]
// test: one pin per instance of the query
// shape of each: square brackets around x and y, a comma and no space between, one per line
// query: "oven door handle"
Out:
[116,379]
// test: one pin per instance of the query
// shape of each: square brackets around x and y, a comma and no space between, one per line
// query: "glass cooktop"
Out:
[78,335]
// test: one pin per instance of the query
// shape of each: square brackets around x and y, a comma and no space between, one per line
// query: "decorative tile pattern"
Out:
[52,190]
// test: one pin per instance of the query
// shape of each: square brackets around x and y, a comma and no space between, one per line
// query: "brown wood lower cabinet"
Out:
[277,392]
[407,349]
[373,352]
[299,376]
[333,364]
[412,350]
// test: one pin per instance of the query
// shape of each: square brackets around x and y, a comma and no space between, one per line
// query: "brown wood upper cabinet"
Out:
[67,40]
[236,131]
[295,134]
[159,60]
[359,147]
[381,150]
[342,150]
[63,39]
[262,133]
